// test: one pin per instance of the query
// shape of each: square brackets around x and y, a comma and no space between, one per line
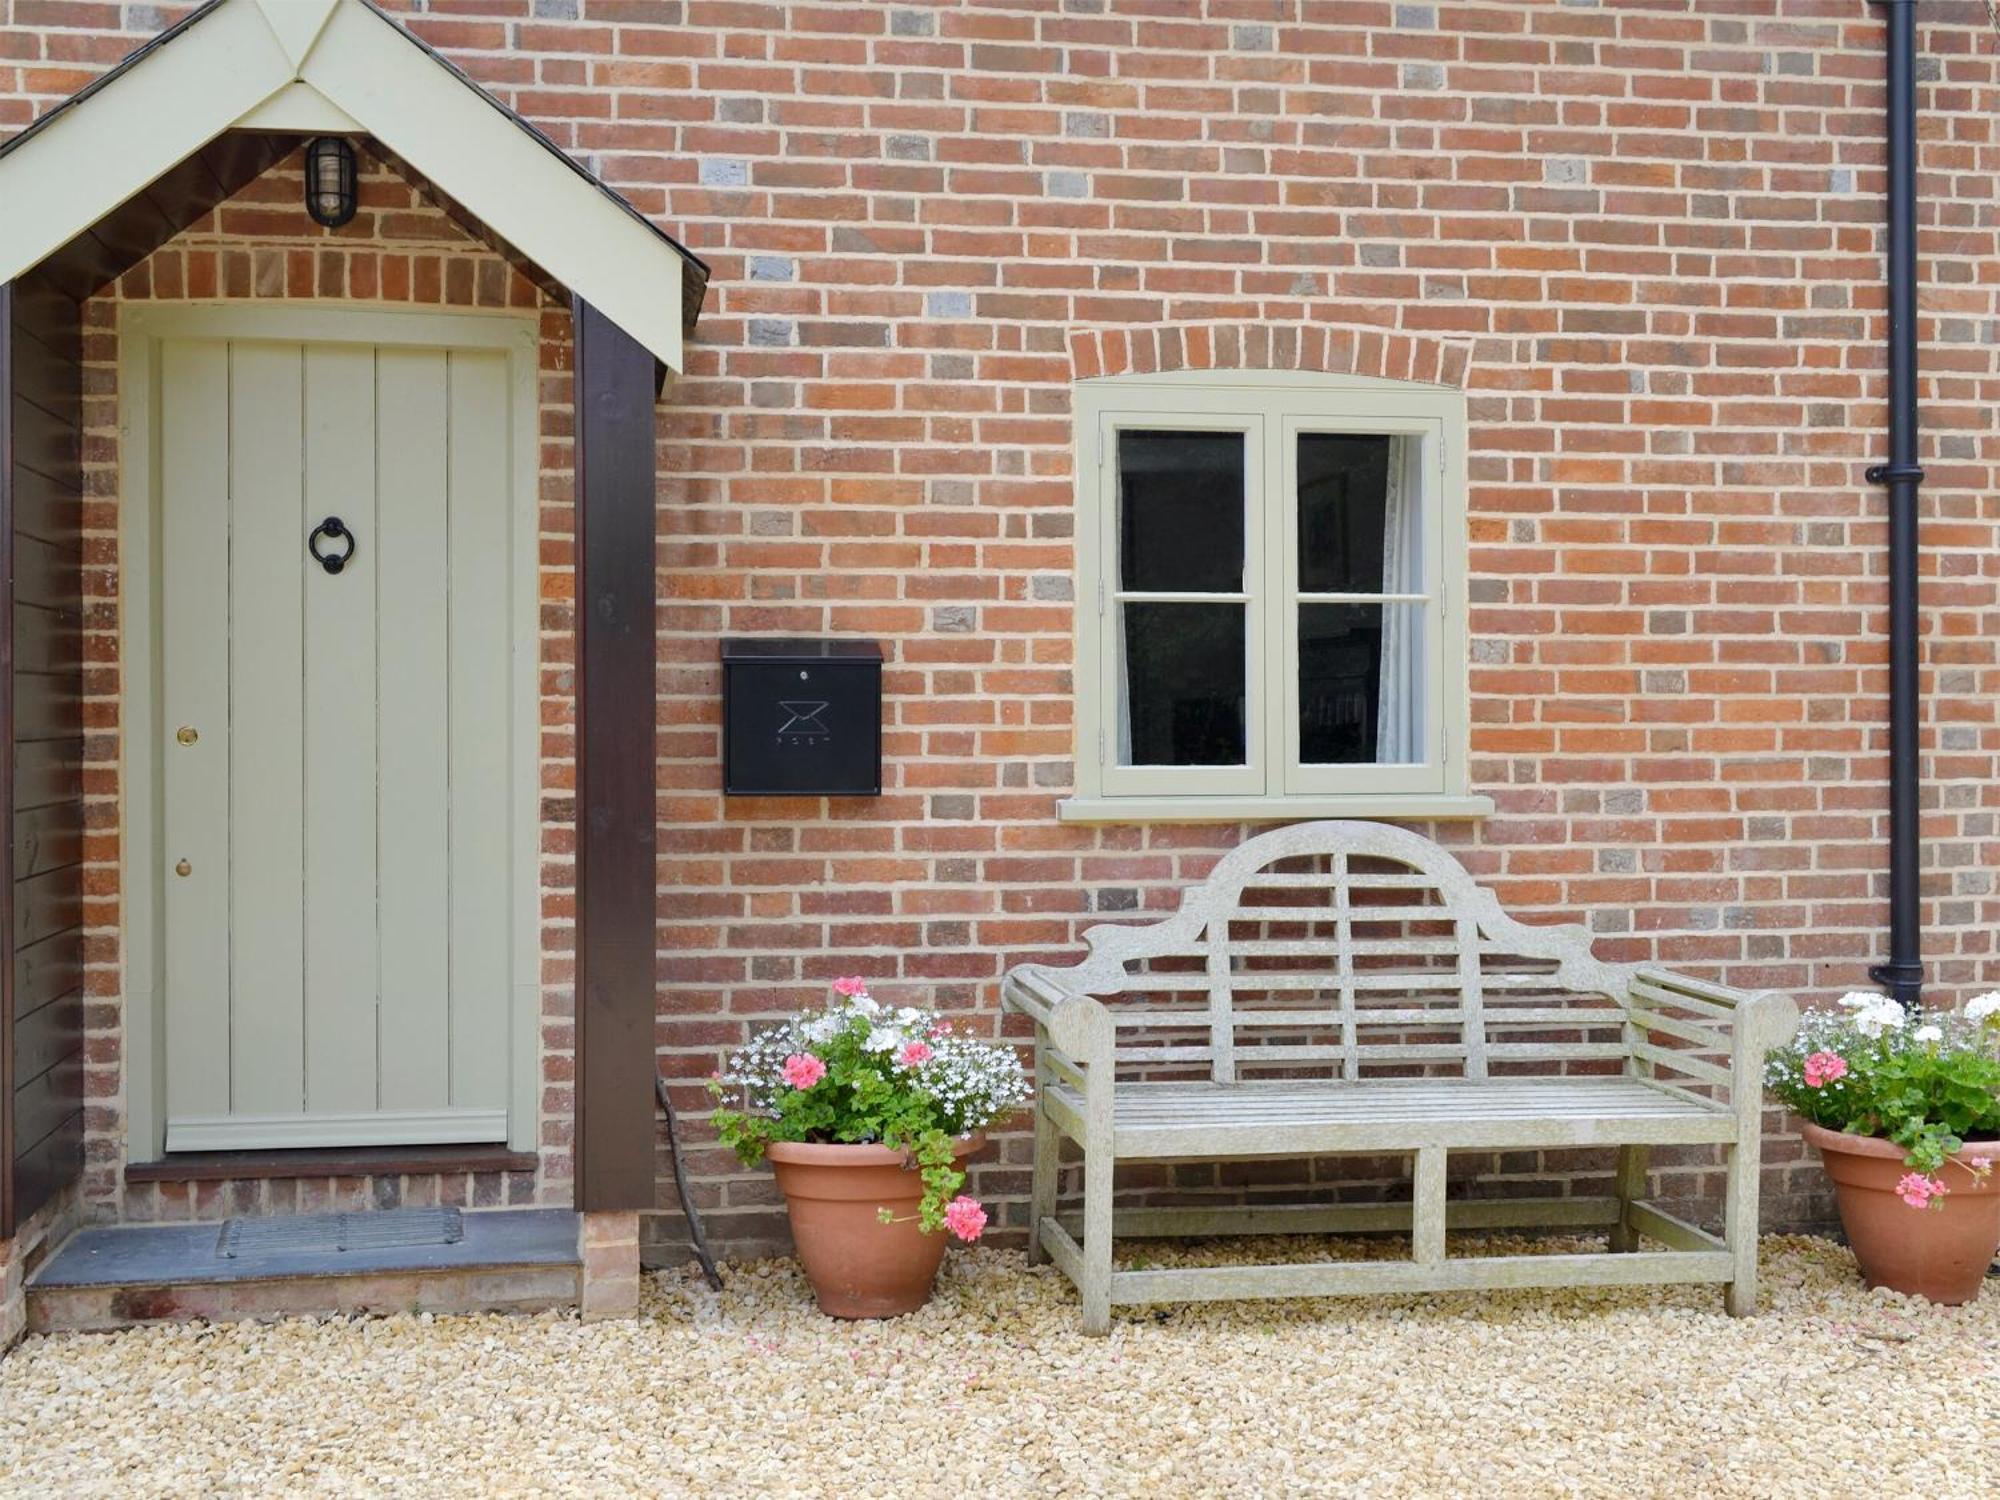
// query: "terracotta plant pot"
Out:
[860,1267]
[1941,1253]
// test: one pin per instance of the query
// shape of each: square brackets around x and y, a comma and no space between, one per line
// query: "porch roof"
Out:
[142,152]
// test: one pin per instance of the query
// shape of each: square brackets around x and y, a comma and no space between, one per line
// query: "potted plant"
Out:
[866,1115]
[1906,1115]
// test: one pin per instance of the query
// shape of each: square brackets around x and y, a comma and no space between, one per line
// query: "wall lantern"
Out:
[330,190]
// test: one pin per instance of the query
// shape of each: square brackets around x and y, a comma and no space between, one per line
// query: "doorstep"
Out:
[502,1260]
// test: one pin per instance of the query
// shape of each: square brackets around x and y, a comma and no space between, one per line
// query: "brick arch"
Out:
[1334,350]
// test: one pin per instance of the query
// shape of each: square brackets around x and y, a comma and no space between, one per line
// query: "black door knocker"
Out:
[334,530]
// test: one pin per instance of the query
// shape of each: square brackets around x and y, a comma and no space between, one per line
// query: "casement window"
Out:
[1271,601]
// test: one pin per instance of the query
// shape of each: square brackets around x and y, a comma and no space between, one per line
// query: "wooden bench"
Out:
[1345,987]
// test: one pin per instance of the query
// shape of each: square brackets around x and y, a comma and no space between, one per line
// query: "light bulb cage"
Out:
[332,194]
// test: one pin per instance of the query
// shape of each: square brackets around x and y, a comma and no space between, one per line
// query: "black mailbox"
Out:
[801,718]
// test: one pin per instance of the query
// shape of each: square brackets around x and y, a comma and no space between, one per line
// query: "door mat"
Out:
[306,1234]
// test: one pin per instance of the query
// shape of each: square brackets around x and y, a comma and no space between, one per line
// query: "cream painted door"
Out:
[334,746]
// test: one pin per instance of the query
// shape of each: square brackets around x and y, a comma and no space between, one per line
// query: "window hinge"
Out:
[1100,747]
[1444,743]
[1102,603]
[1099,438]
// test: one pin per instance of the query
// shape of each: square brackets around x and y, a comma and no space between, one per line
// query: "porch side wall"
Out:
[1656,229]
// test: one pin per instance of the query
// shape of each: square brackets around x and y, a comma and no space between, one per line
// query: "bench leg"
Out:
[1096,1288]
[1739,1226]
[1631,1188]
[1427,1207]
[1042,1196]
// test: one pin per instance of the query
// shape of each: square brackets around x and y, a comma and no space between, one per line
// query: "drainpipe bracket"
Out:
[1902,978]
[1890,473]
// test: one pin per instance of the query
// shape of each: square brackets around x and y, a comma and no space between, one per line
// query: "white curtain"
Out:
[1399,723]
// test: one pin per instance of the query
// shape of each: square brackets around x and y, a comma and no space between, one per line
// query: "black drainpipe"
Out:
[1903,974]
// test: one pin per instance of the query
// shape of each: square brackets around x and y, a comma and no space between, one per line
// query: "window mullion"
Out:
[1278,671]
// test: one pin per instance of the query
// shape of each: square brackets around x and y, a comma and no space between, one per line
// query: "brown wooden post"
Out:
[41,727]
[616,875]
[6,764]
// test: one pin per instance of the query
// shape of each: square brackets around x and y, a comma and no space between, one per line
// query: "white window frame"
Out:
[1271,409]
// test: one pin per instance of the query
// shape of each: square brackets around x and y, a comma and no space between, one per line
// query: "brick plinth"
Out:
[608,1284]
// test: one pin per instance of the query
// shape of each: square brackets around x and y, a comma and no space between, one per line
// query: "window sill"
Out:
[1270,809]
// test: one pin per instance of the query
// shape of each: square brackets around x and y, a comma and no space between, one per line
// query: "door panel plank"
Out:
[481,728]
[194,610]
[415,1059]
[340,739]
[267,562]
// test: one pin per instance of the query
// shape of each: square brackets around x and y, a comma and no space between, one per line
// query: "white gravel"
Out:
[992,1390]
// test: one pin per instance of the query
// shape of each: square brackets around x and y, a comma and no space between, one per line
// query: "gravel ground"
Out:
[992,1390]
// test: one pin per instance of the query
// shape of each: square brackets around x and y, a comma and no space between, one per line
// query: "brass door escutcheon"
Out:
[184,868]
[187,734]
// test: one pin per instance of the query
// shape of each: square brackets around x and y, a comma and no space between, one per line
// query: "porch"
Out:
[280,291]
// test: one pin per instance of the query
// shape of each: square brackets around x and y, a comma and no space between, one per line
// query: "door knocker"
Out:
[334,530]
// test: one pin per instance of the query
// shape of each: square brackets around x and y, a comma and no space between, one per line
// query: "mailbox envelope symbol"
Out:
[805,718]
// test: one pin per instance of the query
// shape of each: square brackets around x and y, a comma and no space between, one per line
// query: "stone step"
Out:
[503,1260]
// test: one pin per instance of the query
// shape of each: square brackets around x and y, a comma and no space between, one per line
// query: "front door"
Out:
[335,721]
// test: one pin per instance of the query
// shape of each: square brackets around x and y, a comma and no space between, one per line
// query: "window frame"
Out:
[1272,408]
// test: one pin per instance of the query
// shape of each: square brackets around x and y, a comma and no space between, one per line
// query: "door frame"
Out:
[141,330]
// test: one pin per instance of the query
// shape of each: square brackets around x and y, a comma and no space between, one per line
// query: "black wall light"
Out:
[331,194]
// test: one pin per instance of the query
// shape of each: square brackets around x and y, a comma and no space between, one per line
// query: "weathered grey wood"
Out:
[1427,1207]
[1508,997]
[1677,1234]
[1048,1157]
[1631,1187]
[1357,1218]
[1466,1274]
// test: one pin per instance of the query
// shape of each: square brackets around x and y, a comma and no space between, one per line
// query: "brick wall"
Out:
[1654,226]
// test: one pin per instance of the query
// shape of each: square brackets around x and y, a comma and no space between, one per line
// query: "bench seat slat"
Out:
[1205,1119]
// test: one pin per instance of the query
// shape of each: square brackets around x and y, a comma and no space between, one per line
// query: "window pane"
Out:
[1356,532]
[1182,686]
[1361,684]
[1180,512]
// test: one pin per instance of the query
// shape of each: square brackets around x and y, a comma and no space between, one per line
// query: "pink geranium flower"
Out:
[915,1054]
[850,986]
[965,1218]
[1823,1068]
[802,1070]
[1917,1190]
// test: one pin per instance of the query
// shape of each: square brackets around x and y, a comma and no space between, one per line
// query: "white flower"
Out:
[1983,1007]
[1928,1034]
[1861,999]
[1884,1015]
[884,1039]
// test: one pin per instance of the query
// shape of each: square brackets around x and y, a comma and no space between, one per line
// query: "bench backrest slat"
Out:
[1356,947]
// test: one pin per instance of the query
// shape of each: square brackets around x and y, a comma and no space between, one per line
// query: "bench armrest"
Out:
[1078,1026]
[1746,1024]
[1756,1020]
